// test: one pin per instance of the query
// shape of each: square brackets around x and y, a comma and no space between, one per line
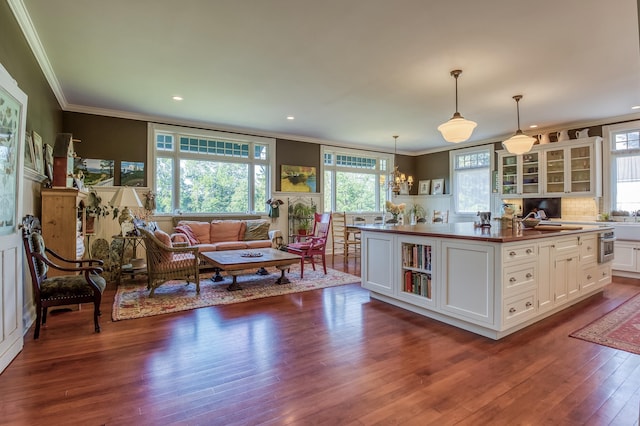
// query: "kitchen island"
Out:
[490,281]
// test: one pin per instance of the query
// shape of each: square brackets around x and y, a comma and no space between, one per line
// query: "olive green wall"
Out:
[44,114]
[108,138]
[433,166]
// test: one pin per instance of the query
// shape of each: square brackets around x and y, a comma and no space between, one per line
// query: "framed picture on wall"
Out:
[29,154]
[424,187]
[404,188]
[437,186]
[38,149]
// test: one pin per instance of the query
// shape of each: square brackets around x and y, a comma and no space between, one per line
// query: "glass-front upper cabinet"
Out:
[572,170]
[555,171]
[520,174]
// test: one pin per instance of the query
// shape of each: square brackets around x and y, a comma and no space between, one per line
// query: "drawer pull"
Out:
[604,274]
[588,277]
[589,248]
[512,280]
[512,310]
[529,275]
[528,304]
[529,251]
[513,253]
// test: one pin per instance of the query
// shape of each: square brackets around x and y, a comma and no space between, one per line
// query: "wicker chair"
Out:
[166,263]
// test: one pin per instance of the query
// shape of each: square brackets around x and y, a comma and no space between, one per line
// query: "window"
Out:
[200,171]
[471,179]
[624,164]
[354,181]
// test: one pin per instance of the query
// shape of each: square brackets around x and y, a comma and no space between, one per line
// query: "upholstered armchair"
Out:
[165,262]
[82,283]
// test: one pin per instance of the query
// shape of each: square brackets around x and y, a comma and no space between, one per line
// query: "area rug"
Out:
[132,299]
[619,329]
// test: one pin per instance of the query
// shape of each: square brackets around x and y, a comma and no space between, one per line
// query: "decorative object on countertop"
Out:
[457,129]
[395,210]
[485,219]
[584,133]
[518,143]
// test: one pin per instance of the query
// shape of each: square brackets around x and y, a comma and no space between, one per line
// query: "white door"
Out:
[13,108]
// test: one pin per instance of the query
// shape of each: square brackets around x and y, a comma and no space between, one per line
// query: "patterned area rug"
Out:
[619,329]
[132,299]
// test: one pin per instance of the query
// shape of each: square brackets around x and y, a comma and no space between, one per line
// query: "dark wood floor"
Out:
[330,356]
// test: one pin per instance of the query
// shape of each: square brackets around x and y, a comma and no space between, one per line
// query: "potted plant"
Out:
[96,209]
[303,213]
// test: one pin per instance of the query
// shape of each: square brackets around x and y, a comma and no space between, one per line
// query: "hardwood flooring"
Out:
[331,356]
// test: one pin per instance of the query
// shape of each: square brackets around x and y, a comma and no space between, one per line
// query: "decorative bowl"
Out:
[530,222]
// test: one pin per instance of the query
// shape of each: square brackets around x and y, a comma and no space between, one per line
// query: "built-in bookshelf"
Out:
[416,269]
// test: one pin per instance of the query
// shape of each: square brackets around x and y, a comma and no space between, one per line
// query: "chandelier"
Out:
[397,178]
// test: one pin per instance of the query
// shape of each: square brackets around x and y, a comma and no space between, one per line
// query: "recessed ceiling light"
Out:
[635,107]
[177,98]
[290,117]
[533,126]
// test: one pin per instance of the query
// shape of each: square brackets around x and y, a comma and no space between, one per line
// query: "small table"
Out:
[134,242]
[234,262]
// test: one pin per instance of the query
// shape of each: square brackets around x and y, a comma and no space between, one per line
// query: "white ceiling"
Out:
[352,72]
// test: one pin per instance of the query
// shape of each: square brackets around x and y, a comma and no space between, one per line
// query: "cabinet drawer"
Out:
[519,278]
[519,308]
[588,249]
[604,274]
[520,252]
[566,244]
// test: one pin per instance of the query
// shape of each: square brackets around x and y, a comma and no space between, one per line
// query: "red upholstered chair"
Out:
[315,244]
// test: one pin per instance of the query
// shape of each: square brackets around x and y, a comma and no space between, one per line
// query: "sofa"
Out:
[215,235]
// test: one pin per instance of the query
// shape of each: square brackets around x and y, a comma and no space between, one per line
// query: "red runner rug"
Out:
[619,329]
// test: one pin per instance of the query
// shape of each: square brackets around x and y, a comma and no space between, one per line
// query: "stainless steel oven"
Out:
[605,246]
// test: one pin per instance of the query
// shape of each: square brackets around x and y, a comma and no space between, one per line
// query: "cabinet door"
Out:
[625,256]
[378,262]
[546,287]
[588,249]
[467,277]
[555,171]
[509,174]
[580,175]
[566,276]
[530,172]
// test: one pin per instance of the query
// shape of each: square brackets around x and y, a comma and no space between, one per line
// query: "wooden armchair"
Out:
[84,284]
[314,245]
[165,262]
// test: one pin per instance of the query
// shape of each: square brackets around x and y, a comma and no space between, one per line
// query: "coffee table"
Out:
[237,261]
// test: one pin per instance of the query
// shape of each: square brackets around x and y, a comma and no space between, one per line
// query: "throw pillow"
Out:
[165,239]
[186,230]
[256,230]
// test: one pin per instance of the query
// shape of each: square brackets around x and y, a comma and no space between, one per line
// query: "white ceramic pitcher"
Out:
[543,139]
[563,135]
[584,133]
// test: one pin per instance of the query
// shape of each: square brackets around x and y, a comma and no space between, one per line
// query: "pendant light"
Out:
[518,143]
[457,129]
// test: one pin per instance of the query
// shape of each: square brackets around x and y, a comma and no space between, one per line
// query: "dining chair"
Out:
[343,238]
[314,245]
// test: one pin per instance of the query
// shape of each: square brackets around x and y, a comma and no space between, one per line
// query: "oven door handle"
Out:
[608,239]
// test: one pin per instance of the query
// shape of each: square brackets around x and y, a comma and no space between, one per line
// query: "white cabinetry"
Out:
[627,256]
[558,169]
[378,263]
[467,290]
[519,283]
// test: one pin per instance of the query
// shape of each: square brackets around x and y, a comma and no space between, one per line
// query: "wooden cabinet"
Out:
[558,169]
[63,222]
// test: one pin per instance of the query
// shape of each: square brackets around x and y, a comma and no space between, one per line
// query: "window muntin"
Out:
[354,180]
[210,172]
[471,180]
[625,170]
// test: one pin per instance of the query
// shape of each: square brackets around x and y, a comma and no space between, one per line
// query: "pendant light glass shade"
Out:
[457,129]
[518,143]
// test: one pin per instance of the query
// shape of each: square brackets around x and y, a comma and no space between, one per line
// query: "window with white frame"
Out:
[201,171]
[354,181]
[624,164]
[471,179]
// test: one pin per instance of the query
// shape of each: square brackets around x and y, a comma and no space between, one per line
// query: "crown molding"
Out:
[26,25]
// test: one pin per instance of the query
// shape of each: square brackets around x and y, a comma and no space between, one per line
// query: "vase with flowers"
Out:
[395,210]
